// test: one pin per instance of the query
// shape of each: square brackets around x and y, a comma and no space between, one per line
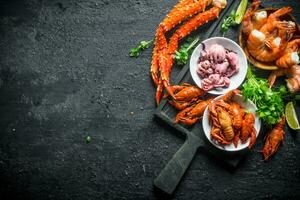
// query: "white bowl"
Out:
[236,80]
[247,105]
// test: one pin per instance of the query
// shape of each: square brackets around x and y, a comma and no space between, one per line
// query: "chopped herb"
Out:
[228,22]
[269,102]
[182,55]
[135,52]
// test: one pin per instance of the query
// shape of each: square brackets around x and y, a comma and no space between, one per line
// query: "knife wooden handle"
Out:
[170,176]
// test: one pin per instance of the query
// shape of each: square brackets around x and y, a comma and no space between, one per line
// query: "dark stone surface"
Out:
[65,74]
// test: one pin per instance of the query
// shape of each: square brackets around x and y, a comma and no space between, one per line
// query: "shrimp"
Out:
[268,43]
[260,18]
[266,46]
[247,24]
[290,56]
[293,81]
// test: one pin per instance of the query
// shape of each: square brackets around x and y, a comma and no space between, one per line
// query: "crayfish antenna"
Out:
[170,92]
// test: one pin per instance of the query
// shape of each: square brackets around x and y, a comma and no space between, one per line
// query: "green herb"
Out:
[228,22]
[88,139]
[135,52]
[182,55]
[269,102]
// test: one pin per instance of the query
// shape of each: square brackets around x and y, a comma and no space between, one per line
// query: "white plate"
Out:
[237,79]
[249,106]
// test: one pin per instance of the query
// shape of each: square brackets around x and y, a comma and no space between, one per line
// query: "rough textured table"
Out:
[65,74]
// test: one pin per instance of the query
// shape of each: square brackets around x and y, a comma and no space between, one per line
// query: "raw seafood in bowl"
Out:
[218,65]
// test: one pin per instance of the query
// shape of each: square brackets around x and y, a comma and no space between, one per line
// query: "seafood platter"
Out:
[216,101]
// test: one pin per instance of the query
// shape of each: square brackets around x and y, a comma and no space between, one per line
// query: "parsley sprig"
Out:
[228,22]
[135,52]
[182,55]
[269,102]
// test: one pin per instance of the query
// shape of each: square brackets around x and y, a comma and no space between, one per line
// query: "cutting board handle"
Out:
[170,176]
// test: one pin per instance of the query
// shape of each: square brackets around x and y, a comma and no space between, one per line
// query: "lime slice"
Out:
[241,11]
[291,116]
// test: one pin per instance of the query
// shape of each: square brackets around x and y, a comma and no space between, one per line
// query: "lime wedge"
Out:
[291,116]
[241,11]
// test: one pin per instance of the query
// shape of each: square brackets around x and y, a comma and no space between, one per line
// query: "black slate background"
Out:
[65,74]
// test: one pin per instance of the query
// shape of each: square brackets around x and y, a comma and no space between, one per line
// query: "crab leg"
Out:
[180,12]
[166,60]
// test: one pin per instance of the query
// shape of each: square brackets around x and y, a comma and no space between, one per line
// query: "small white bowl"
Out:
[247,105]
[236,80]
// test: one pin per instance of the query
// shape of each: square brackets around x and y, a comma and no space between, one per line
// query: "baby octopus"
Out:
[216,65]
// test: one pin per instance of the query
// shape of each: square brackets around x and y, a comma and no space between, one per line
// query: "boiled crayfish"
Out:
[273,139]
[192,114]
[162,59]
[229,121]
[186,98]
[225,124]
[248,129]
[184,95]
